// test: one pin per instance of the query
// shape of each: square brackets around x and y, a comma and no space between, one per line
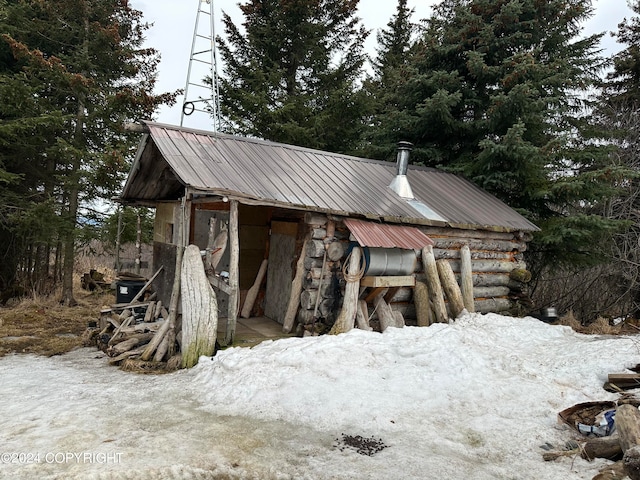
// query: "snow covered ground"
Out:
[472,399]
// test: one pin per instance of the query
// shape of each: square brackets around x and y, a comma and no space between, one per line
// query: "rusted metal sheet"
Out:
[300,178]
[371,234]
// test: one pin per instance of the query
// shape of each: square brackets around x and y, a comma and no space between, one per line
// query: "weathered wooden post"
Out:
[423,307]
[199,309]
[296,288]
[234,259]
[347,316]
[433,282]
[252,293]
[466,279]
[451,288]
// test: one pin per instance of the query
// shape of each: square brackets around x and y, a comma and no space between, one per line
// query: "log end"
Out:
[631,461]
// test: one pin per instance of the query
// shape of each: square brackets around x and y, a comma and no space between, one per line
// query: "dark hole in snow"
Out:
[364,446]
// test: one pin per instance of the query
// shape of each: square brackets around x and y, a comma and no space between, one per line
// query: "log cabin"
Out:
[277,224]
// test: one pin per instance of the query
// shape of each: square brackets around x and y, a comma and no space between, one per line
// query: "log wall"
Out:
[494,256]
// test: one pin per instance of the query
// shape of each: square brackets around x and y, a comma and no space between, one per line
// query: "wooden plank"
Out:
[373,294]
[296,289]
[388,282]
[217,282]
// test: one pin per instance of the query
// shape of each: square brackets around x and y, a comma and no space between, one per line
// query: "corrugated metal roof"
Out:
[371,234]
[296,177]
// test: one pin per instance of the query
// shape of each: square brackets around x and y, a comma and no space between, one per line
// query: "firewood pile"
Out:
[136,335]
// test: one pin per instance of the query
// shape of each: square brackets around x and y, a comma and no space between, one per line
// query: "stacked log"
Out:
[323,259]
[494,256]
[125,331]
[487,266]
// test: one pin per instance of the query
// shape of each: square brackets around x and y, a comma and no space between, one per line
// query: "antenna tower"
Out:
[198,96]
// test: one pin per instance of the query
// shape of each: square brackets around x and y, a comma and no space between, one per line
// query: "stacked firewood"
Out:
[136,336]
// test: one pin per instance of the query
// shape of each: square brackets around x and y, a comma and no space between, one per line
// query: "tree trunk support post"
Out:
[234,260]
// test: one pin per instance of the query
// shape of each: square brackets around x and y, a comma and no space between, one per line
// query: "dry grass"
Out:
[601,326]
[44,327]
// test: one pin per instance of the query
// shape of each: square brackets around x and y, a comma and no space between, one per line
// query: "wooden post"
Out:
[199,309]
[628,426]
[466,279]
[138,241]
[253,291]
[170,318]
[296,288]
[451,288]
[347,316]
[386,315]
[234,260]
[423,307]
[433,282]
[362,316]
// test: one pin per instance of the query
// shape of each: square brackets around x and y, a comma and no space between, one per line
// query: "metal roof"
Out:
[371,234]
[255,171]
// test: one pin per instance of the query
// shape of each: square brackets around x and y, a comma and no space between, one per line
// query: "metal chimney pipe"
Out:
[400,184]
[404,150]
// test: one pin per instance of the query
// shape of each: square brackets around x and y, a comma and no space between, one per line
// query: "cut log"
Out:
[362,316]
[602,447]
[450,287]
[162,350]
[628,426]
[116,334]
[433,282]
[386,316]
[296,288]
[423,307]
[252,294]
[199,309]
[615,471]
[125,355]
[148,314]
[132,342]
[466,279]
[631,461]
[347,316]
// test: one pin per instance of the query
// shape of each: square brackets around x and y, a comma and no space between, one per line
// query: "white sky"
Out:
[474,399]
[174,22]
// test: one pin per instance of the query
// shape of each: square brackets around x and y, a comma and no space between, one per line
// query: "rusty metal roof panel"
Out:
[303,178]
[371,234]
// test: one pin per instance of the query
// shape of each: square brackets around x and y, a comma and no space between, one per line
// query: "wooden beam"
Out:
[388,282]
[234,269]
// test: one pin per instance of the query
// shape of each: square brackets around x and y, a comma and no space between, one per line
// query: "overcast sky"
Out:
[173,28]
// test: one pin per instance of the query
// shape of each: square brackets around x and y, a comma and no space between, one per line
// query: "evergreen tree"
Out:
[391,69]
[68,93]
[292,76]
[619,113]
[497,94]
[623,86]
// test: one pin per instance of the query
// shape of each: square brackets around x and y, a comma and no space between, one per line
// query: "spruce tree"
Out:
[292,75]
[498,94]
[69,92]
[391,69]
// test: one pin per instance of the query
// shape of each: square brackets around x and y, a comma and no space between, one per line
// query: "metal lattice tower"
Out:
[199,96]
